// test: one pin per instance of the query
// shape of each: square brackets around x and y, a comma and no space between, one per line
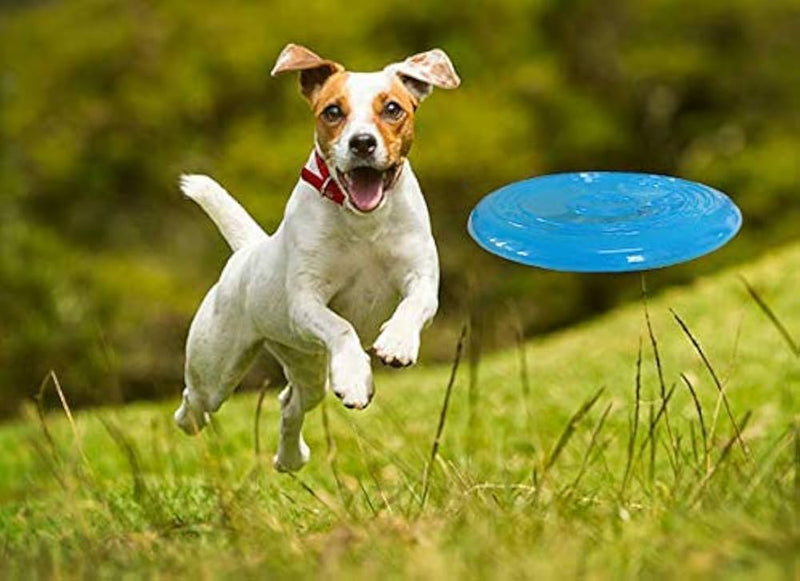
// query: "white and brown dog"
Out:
[353,258]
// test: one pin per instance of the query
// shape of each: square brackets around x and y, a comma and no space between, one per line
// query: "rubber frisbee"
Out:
[604,221]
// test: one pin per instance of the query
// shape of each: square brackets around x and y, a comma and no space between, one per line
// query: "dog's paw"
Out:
[398,344]
[190,419]
[351,378]
[291,461]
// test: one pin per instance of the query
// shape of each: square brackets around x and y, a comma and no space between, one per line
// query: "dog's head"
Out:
[365,121]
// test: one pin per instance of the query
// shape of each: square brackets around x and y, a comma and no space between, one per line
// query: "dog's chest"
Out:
[365,287]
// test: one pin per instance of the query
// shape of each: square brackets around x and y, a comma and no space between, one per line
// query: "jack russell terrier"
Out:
[353,257]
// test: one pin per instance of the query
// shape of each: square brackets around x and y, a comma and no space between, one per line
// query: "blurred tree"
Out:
[104,103]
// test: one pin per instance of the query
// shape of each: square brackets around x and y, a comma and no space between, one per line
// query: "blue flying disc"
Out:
[604,221]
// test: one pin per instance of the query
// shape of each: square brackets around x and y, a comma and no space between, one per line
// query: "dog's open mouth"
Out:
[365,186]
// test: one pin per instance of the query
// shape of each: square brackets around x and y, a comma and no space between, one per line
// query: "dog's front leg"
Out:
[349,366]
[398,343]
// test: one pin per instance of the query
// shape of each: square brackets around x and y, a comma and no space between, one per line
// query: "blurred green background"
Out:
[103,104]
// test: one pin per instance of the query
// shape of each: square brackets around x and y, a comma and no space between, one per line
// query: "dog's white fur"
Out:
[327,279]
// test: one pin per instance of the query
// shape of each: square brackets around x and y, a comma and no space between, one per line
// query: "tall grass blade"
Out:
[699,407]
[362,453]
[524,379]
[652,422]
[140,491]
[773,318]
[65,406]
[366,497]
[569,430]
[313,494]
[51,443]
[657,357]
[766,462]
[634,431]
[379,446]
[717,382]
[442,418]
[697,494]
[655,418]
[153,507]
[330,445]
[797,473]
[474,348]
[592,444]
[693,437]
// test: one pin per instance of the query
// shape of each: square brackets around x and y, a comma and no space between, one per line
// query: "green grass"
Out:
[529,480]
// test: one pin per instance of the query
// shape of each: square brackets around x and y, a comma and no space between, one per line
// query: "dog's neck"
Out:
[319,176]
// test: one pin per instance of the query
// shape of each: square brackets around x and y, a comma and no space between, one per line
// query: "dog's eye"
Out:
[392,110]
[332,114]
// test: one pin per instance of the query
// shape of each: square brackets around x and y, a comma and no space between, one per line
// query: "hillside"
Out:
[518,488]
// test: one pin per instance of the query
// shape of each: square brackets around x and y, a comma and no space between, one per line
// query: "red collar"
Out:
[316,174]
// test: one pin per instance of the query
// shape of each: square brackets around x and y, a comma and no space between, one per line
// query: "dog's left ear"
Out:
[422,72]
[314,70]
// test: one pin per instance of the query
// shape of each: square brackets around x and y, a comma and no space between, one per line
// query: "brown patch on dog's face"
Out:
[393,115]
[331,109]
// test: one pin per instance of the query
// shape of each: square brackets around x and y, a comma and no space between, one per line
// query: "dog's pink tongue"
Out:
[366,188]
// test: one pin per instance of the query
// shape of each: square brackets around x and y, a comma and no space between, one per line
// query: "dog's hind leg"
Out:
[293,452]
[220,349]
[305,390]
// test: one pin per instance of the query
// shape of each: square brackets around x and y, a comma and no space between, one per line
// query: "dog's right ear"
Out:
[422,72]
[314,70]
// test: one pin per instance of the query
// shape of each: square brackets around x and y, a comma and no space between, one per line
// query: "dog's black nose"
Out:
[363,144]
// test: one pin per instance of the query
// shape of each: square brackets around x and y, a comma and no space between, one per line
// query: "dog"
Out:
[353,257]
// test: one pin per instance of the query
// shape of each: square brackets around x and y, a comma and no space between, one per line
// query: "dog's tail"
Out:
[236,225]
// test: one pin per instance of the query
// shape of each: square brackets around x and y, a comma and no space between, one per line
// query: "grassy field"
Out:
[549,463]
